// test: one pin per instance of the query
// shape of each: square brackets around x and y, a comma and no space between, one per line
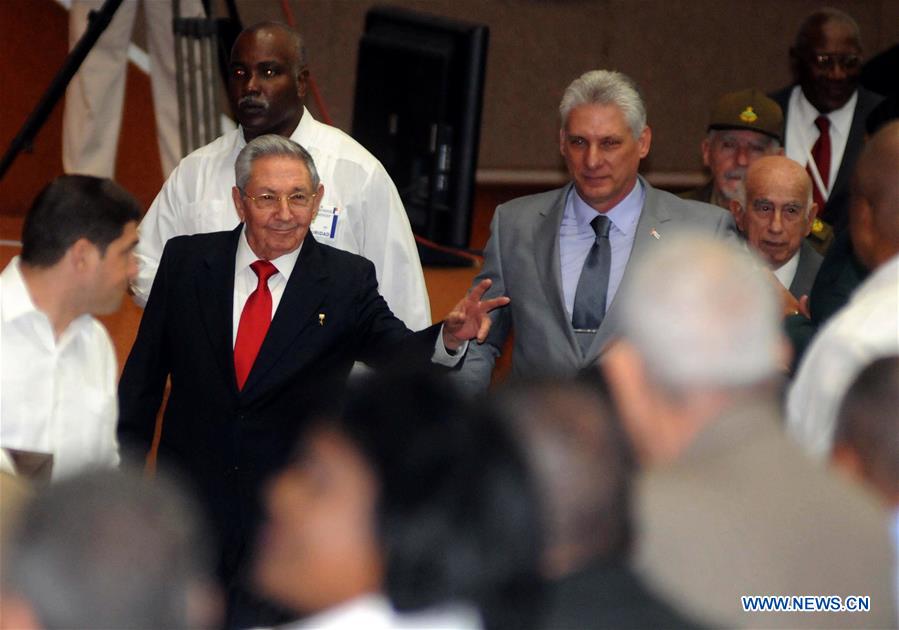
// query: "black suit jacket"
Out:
[809,263]
[836,210]
[228,441]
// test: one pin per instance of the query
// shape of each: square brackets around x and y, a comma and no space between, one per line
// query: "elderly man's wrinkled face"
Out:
[602,154]
[828,70]
[728,153]
[779,210]
[318,547]
[278,205]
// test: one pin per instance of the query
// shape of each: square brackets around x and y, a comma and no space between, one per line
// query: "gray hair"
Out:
[108,549]
[703,315]
[271,145]
[606,87]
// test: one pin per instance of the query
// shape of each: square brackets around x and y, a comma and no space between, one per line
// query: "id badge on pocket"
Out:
[324,226]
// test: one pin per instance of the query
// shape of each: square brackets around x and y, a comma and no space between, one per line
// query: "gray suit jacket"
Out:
[743,512]
[522,259]
[809,263]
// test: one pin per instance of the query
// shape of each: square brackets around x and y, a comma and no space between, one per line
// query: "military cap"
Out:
[748,109]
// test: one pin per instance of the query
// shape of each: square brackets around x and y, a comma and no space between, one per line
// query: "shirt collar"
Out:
[16,302]
[623,216]
[301,135]
[787,271]
[245,257]
[840,119]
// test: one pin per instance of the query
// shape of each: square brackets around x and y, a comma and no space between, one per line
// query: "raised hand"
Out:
[468,319]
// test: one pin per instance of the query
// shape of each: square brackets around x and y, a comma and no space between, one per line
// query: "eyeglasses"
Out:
[295,201]
[826,61]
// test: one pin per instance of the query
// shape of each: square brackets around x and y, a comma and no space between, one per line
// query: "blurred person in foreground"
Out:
[58,369]
[108,549]
[727,505]
[866,328]
[743,127]
[583,468]
[866,439]
[410,509]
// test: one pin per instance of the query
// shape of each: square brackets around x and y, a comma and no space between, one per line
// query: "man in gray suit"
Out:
[777,216]
[605,218]
[727,506]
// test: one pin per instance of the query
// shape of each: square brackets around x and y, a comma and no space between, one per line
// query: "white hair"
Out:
[702,314]
[271,145]
[606,87]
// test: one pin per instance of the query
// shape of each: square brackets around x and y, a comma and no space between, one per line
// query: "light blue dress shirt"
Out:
[576,237]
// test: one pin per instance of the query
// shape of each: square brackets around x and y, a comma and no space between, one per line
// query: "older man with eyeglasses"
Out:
[826,110]
[258,328]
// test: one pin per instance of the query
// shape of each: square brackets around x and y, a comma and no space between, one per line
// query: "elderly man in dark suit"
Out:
[825,109]
[258,327]
[562,255]
[776,217]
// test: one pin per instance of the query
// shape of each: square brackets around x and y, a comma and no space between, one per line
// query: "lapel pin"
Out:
[655,235]
[321,319]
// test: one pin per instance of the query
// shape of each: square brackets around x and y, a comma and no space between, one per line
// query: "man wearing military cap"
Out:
[743,127]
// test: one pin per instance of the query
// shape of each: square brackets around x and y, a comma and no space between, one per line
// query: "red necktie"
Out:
[254,322]
[821,155]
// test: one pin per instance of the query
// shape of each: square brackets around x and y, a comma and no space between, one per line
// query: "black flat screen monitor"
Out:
[419,90]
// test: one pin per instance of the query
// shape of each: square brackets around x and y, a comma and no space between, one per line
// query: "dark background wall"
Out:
[683,53]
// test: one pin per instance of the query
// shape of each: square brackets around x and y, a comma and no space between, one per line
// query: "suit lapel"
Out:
[853,148]
[650,229]
[549,264]
[304,293]
[215,293]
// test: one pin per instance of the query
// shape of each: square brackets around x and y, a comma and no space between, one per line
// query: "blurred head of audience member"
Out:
[108,549]
[78,243]
[727,347]
[582,466]
[866,438]
[874,214]
[412,493]
[267,80]
[778,212]
[826,58]
[603,136]
[581,462]
[743,127]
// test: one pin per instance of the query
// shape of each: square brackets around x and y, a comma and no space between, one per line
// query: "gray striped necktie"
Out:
[590,298]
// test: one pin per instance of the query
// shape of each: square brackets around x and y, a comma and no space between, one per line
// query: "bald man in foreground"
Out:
[777,216]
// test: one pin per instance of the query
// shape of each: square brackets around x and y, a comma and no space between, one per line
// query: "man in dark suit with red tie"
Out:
[825,110]
[258,328]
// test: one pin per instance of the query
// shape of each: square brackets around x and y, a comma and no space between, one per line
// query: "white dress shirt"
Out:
[361,212]
[801,132]
[787,271]
[576,237]
[374,612]
[867,328]
[57,396]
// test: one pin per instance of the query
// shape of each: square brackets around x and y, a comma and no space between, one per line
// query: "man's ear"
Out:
[238,201]
[706,148]
[736,210]
[317,202]
[303,81]
[644,141]
[82,255]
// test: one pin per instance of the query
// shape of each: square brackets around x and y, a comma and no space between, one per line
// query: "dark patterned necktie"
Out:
[590,298]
